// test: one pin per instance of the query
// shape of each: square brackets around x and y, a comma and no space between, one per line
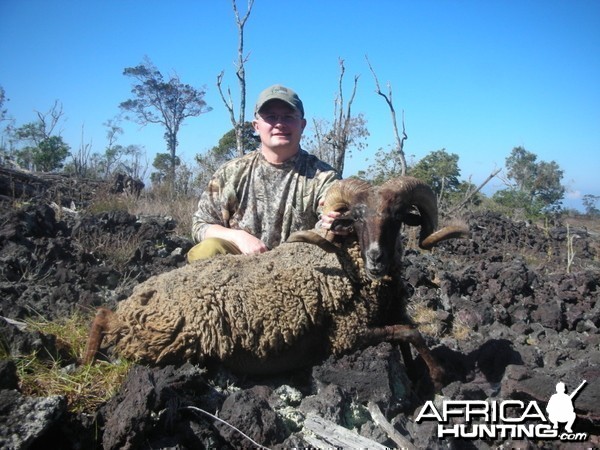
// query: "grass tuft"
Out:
[85,387]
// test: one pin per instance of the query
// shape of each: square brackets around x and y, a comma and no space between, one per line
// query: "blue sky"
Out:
[474,77]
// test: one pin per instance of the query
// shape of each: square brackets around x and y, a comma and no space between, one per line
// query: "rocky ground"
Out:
[509,312]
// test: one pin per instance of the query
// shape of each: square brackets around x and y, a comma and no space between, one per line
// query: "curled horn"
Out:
[408,193]
[343,194]
[340,197]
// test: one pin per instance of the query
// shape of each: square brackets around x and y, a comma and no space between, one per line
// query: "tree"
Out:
[81,161]
[50,154]
[167,103]
[399,140]
[226,149]
[239,123]
[387,164]
[4,148]
[538,184]
[44,148]
[163,163]
[521,168]
[113,151]
[334,141]
[590,201]
[3,99]
[440,170]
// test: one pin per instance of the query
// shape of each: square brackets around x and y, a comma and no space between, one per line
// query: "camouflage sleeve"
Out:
[329,178]
[211,208]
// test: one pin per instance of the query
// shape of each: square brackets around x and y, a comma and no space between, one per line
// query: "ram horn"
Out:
[407,193]
[339,197]
[404,195]
[452,231]
[312,237]
[343,194]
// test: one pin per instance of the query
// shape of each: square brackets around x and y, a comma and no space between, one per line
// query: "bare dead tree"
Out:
[241,76]
[332,145]
[82,158]
[341,133]
[388,99]
[49,120]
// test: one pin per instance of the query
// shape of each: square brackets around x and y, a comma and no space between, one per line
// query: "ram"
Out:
[313,296]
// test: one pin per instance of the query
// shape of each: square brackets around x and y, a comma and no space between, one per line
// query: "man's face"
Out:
[279,126]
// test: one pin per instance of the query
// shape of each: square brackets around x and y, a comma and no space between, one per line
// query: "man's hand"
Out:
[248,244]
[327,219]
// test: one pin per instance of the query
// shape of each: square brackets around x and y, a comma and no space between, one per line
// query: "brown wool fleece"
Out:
[261,305]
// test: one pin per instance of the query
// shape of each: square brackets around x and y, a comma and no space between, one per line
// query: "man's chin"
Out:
[280,141]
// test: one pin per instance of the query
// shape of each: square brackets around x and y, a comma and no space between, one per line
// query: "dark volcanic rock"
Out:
[375,374]
[249,410]
[505,318]
[24,421]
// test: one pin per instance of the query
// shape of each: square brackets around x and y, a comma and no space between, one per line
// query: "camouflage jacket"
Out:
[266,200]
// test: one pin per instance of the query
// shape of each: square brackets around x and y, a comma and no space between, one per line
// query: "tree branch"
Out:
[238,124]
[388,100]
[470,195]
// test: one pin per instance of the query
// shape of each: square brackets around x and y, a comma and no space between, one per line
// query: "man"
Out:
[253,203]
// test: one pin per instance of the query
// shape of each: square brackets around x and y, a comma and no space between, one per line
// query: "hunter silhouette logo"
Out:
[506,419]
[560,406]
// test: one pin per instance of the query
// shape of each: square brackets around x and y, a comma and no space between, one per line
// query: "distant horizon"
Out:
[474,78]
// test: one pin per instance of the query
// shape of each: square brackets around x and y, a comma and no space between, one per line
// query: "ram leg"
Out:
[98,329]
[406,334]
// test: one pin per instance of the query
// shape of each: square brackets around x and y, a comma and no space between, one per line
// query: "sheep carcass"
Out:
[291,306]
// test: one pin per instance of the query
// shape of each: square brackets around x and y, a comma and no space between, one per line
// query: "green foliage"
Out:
[3,100]
[387,165]
[163,163]
[537,185]
[463,190]
[439,169]
[164,102]
[47,156]
[50,154]
[521,167]
[32,132]
[225,150]
[515,201]
[227,146]
[590,201]
[35,145]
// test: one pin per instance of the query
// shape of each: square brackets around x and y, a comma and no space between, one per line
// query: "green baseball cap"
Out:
[279,92]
